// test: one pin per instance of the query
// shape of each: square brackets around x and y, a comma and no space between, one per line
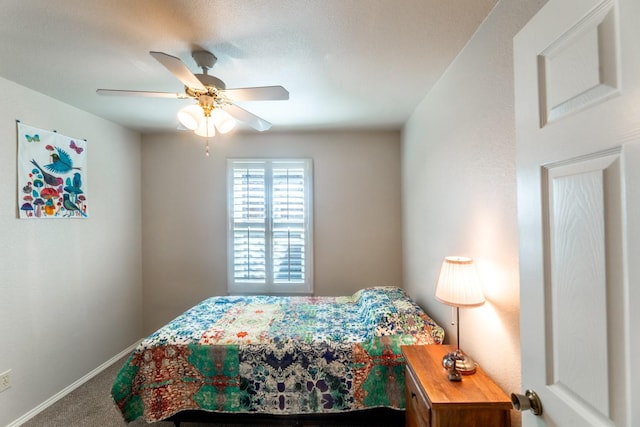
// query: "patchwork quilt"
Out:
[276,355]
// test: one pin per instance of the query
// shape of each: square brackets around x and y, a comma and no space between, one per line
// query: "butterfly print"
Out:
[73,146]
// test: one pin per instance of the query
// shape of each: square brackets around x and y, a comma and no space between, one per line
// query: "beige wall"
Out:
[357,215]
[70,289]
[459,191]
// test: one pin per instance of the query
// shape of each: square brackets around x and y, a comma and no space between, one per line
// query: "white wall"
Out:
[356,212]
[70,290]
[459,191]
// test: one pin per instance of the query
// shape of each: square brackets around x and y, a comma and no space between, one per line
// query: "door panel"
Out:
[580,67]
[577,92]
[583,233]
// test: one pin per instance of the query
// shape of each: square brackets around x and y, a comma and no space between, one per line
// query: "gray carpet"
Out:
[90,405]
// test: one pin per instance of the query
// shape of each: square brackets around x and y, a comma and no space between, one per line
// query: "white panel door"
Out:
[577,96]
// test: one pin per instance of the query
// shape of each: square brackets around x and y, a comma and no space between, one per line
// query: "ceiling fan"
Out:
[216,108]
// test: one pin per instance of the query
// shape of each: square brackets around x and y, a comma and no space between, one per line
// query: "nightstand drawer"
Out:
[418,412]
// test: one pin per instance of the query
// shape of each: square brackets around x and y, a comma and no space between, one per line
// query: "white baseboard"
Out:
[62,393]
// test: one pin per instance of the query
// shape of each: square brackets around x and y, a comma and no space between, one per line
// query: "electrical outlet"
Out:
[5,380]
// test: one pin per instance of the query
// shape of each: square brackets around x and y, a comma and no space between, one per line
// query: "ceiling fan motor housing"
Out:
[205,60]
[211,81]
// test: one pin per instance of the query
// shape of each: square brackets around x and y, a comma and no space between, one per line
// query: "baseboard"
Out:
[62,393]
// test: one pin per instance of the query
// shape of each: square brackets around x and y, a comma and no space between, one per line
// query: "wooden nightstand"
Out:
[434,401]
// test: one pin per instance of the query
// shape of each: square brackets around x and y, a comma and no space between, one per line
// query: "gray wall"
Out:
[357,212]
[70,289]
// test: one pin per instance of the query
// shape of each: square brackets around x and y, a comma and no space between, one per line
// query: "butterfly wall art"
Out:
[52,175]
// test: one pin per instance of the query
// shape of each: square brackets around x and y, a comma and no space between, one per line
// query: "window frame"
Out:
[270,287]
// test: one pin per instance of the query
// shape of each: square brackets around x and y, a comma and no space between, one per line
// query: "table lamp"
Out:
[459,286]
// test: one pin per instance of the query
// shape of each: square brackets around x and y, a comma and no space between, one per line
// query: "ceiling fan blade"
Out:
[265,93]
[249,118]
[116,92]
[178,69]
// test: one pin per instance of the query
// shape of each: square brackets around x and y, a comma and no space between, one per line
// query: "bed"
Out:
[276,356]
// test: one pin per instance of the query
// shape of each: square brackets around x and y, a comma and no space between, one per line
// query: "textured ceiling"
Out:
[347,63]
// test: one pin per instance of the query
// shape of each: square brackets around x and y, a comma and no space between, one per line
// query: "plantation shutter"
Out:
[288,215]
[270,226]
[249,224]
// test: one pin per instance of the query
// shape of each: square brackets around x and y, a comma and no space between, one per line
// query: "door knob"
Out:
[530,400]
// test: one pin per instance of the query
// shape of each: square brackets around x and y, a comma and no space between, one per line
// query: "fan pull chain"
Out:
[206,147]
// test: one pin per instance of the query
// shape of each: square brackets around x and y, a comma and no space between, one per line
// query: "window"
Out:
[270,226]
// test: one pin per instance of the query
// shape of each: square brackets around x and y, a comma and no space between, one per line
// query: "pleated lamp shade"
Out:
[458,284]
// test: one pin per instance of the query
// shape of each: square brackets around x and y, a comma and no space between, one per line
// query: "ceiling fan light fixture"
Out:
[190,116]
[223,120]
[206,128]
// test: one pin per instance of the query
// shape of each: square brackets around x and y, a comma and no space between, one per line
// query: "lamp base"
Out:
[464,364]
